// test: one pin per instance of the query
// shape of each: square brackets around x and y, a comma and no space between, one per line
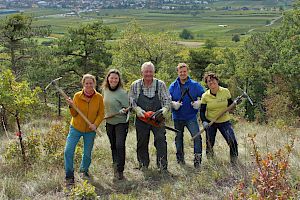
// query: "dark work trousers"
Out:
[143,133]
[160,143]
[226,130]
[117,138]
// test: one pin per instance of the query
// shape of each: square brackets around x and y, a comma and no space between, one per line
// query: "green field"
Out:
[204,25]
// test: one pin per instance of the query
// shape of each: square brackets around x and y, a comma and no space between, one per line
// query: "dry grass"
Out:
[214,180]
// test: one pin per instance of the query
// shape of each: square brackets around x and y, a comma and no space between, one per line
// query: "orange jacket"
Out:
[93,110]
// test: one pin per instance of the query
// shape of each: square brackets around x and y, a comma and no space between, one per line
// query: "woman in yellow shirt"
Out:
[214,101]
[90,103]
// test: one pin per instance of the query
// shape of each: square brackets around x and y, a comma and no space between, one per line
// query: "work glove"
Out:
[176,105]
[139,111]
[123,111]
[164,111]
[196,104]
[205,124]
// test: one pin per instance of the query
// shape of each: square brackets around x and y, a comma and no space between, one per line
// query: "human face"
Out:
[88,85]
[212,83]
[148,73]
[182,73]
[113,80]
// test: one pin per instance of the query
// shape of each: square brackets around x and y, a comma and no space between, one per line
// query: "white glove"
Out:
[139,111]
[123,111]
[164,111]
[176,105]
[196,104]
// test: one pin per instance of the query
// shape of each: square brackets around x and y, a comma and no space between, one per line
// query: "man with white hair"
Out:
[150,94]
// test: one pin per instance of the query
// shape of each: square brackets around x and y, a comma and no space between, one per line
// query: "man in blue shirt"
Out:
[186,94]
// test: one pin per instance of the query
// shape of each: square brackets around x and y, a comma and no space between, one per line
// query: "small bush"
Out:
[236,38]
[271,179]
[13,153]
[83,191]
[186,34]
[48,148]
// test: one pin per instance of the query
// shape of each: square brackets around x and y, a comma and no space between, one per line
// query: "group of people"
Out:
[185,97]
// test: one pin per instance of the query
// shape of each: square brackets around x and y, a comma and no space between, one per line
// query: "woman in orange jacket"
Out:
[90,103]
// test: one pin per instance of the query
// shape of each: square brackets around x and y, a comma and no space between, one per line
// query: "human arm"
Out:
[100,113]
[133,96]
[71,103]
[165,97]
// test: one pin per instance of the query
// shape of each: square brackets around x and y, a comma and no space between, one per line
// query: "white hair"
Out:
[147,64]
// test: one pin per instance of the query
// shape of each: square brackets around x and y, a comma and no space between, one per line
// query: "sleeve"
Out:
[229,102]
[133,94]
[165,96]
[171,89]
[202,113]
[73,112]
[203,100]
[125,99]
[228,94]
[200,90]
[100,114]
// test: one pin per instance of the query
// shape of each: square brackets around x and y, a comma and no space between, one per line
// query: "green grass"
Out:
[214,181]
[203,26]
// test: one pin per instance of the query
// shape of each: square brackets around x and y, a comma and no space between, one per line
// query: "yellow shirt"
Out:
[216,104]
[93,110]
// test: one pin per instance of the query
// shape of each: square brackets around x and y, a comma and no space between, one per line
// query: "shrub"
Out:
[186,34]
[50,145]
[236,38]
[83,191]
[13,153]
[271,179]
[278,104]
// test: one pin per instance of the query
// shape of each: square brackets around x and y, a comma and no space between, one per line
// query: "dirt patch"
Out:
[190,44]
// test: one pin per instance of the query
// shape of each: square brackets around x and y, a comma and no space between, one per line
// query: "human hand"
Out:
[196,104]
[139,111]
[93,127]
[205,124]
[70,101]
[176,105]
[123,111]
[164,111]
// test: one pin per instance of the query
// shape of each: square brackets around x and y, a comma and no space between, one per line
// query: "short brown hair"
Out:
[181,65]
[211,75]
[105,84]
[86,76]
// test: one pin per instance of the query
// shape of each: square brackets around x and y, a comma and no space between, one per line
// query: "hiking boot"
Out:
[142,167]
[210,154]
[181,161]
[120,176]
[85,175]
[197,160]
[70,182]
[234,161]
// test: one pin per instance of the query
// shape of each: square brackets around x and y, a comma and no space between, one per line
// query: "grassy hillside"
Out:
[44,179]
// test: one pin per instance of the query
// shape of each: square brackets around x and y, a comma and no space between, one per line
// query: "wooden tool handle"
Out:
[77,109]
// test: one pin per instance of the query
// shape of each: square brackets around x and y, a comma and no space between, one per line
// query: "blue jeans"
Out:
[72,140]
[193,127]
[226,130]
